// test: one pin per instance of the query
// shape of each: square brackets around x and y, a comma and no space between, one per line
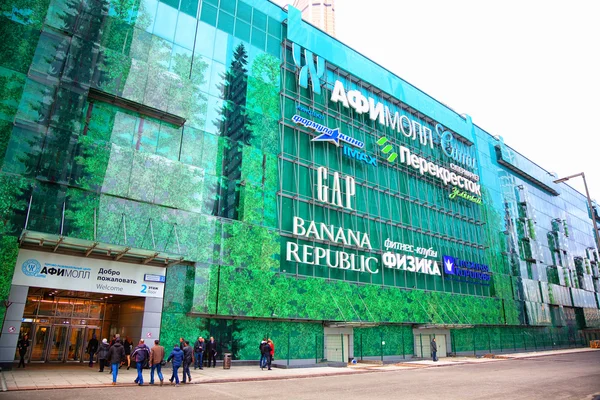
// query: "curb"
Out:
[3,385]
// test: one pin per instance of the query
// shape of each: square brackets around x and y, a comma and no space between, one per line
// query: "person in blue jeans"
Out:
[140,355]
[157,355]
[434,350]
[115,354]
[177,357]
[198,353]
[263,353]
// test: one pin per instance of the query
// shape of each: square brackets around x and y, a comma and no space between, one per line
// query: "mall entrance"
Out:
[60,323]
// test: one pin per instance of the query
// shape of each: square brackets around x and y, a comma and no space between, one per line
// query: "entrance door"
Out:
[58,345]
[337,347]
[76,344]
[39,342]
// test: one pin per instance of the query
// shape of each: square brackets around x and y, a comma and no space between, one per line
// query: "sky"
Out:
[528,71]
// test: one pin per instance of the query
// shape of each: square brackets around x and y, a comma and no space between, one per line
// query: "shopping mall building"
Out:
[222,168]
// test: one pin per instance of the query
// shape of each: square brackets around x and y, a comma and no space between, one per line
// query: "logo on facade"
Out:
[315,71]
[448,265]
[32,267]
[462,269]
[326,134]
[360,156]
[310,112]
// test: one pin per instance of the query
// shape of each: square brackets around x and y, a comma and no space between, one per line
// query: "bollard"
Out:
[226,361]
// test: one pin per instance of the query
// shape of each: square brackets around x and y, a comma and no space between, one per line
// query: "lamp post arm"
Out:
[589,200]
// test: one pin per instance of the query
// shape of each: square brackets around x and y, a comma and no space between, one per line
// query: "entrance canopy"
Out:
[41,241]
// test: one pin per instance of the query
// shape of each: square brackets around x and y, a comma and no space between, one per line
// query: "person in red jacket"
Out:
[271,353]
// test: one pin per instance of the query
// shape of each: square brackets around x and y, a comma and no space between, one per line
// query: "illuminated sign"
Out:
[459,153]
[410,263]
[342,189]
[461,270]
[310,112]
[378,112]
[326,134]
[331,258]
[456,192]
[409,248]
[315,71]
[360,156]
[400,123]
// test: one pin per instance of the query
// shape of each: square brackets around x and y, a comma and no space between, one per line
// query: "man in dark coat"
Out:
[198,352]
[263,353]
[115,354]
[211,352]
[23,346]
[92,348]
[188,359]
[434,349]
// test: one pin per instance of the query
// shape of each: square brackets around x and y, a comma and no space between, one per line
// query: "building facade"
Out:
[221,168]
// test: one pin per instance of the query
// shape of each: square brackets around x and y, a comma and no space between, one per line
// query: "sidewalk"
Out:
[63,376]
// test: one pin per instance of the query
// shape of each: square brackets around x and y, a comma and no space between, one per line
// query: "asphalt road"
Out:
[567,376]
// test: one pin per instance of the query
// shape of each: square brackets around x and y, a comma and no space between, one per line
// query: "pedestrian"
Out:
[434,349]
[23,346]
[271,352]
[188,359]
[266,355]
[211,350]
[115,355]
[157,355]
[103,354]
[177,357]
[181,343]
[92,348]
[198,352]
[263,354]
[140,355]
[127,347]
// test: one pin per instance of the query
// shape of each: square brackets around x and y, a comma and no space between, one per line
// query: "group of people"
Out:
[118,353]
[267,352]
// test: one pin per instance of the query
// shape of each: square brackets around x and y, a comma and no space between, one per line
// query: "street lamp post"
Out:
[589,200]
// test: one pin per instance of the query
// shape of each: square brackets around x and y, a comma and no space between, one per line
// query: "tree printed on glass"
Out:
[233,125]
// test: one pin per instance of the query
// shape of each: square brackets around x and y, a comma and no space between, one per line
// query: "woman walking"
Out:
[127,347]
[103,354]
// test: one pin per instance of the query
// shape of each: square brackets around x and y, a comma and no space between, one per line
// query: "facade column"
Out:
[12,325]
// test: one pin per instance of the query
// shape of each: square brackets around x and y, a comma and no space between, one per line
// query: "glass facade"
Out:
[301,184]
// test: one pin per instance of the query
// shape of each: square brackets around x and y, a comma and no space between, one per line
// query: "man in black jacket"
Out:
[23,345]
[211,352]
[188,358]
[434,349]
[116,353]
[92,348]
[198,352]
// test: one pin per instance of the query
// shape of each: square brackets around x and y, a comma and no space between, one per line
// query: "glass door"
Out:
[39,341]
[58,343]
[76,343]
[89,332]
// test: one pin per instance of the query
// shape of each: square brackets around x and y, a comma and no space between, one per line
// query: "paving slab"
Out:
[54,376]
